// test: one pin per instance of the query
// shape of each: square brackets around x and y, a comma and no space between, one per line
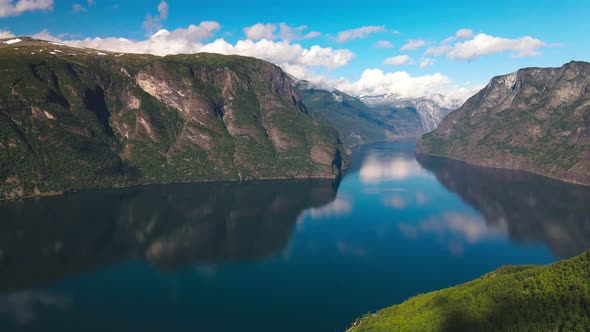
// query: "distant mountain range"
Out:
[431,109]
[367,119]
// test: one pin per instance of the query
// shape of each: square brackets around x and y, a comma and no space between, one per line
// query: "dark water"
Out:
[276,256]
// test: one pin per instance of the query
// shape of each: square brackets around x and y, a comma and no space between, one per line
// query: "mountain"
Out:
[513,298]
[537,120]
[75,118]
[431,109]
[356,122]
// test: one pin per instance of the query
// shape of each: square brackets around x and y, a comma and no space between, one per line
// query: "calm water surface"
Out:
[276,256]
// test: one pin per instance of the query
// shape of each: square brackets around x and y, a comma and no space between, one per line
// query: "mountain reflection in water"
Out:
[276,255]
[169,225]
[526,207]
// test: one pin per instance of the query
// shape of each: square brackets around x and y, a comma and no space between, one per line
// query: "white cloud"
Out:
[426,62]
[78,8]
[154,23]
[189,40]
[377,82]
[464,33]
[296,33]
[413,44]
[460,34]
[6,34]
[269,31]
[357,33]
[260,31]
[16,8]
[399,60]
[383,44]
[483,44]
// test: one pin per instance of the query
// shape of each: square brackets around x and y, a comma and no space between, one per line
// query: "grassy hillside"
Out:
[513,298]
[76,118]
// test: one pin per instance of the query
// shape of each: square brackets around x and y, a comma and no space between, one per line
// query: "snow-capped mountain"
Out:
[431,109]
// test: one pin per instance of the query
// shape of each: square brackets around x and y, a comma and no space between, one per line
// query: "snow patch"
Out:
[13,41]
[60,44]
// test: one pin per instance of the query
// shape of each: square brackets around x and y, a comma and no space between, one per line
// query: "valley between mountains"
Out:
[75,118]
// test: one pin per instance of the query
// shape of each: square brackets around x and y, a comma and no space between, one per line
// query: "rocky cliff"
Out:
[537,120]
[76,118]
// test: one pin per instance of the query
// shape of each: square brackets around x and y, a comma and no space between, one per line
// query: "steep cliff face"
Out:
[74,118]
[537,119]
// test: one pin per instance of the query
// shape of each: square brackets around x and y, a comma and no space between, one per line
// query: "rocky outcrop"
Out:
[534,120]
[74,118]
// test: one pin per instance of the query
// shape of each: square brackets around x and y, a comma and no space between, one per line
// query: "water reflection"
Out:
[382,166]
[525,207]
[24,306]
[170,226]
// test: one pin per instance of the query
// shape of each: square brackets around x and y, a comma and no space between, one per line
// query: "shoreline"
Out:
[233,180]
[573,182]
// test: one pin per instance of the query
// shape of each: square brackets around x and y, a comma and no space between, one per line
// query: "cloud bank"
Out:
[15,8]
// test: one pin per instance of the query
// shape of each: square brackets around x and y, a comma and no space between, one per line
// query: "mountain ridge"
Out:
[536,120]
[77,118]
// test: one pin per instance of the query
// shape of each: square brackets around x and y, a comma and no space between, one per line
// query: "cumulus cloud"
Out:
[283,31]
[399,60]
[78,8]
[190,40]
[16,8]
[377,82]
[413,44]
[260,31]
[6,34]
[483,44]
[426,62]
[383,44]
[460,34]
[357,33]
[154,23]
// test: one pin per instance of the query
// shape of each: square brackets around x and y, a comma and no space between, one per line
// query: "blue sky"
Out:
[497,37]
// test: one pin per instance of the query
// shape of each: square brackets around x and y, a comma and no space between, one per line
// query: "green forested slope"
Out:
[76,118]
[513,298]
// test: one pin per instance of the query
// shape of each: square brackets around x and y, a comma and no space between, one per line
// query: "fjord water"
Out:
[307,255]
